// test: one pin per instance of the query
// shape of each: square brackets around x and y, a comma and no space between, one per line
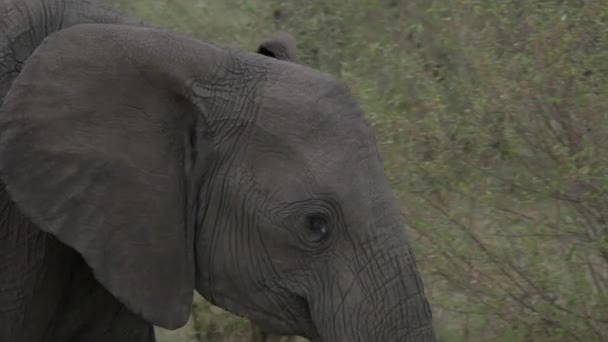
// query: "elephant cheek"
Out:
[221,274]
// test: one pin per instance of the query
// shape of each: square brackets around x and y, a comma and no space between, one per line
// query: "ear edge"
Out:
[280,45]
[262,50]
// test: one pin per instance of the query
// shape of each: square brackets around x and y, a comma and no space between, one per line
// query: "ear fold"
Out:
[280,45]
[95,148]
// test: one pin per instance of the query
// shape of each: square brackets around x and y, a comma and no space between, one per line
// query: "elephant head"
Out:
[171,164]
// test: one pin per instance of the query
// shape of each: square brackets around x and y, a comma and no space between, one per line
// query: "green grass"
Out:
[492,118]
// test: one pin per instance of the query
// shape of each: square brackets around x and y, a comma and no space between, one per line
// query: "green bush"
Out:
[492,118]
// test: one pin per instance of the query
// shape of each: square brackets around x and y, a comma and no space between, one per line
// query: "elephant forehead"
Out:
[318,123]
[317,160]
[312,107]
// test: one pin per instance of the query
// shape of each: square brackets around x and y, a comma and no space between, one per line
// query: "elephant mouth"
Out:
[311,331]
[297,319]
[293,318]
[305,322]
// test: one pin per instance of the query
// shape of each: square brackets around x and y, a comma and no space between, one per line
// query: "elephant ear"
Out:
[96,146]
[280,45]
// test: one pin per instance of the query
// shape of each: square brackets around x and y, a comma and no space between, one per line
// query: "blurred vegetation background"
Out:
[492,118]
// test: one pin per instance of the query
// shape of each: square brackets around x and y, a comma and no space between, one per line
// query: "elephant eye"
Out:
[318,227]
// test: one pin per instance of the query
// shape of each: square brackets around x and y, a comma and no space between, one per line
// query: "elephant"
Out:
[139,165]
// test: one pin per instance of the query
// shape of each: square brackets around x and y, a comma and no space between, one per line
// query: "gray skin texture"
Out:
[141,164]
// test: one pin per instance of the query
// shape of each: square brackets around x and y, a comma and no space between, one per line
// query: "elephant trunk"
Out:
[376,293]
[377,297]
[399,310]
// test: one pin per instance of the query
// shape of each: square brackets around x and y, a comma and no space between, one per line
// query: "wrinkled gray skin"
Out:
[141,164]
